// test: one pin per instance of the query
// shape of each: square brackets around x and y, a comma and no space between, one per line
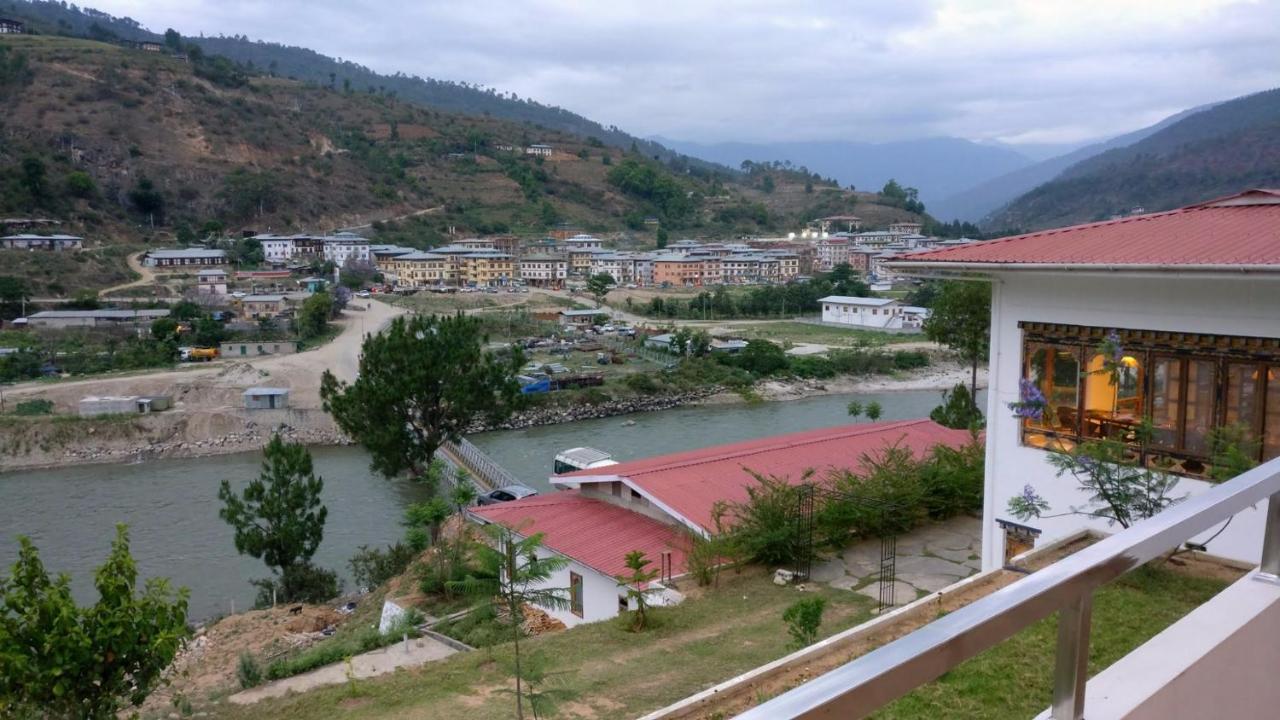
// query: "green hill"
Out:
[1226,148]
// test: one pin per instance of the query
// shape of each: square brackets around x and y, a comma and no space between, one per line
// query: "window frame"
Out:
[577,596]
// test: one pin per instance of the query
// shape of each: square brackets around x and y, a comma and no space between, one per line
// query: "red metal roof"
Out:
[593,532]
[1238,230]
[691,483]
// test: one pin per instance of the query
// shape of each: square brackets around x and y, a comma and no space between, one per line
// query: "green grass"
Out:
[609,671]
[803,332]
[1015,679]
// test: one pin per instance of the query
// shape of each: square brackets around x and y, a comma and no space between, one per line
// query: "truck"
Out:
[198,354]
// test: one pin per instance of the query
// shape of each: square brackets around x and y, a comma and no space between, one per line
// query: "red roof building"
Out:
[1239,233]
[593,532]
[685,487]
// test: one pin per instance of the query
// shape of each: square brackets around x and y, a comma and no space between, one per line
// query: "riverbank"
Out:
[37,443]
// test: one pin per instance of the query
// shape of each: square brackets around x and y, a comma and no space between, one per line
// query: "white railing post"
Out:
[1070,670]
[1269,570]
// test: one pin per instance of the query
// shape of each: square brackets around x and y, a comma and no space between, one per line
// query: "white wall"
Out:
[1243,305]
[600,593]
[887,316]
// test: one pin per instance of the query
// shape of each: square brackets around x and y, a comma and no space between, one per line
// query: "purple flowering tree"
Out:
[1031,402]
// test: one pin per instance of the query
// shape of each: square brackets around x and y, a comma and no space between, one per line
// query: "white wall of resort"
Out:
[1227,304]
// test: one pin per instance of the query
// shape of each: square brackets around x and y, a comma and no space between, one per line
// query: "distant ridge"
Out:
[1220,150]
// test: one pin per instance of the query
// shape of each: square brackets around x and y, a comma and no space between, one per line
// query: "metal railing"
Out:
[486,473]
[865,684]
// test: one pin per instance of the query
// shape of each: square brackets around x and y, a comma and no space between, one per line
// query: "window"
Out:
[575,593]
[1185,384]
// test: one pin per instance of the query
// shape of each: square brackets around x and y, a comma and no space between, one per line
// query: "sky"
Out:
[1013,71]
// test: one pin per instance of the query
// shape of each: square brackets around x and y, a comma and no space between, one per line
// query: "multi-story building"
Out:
[418,269]
[475,243]
[582,241]
[546,271]
[337,248]
[580,259]
[486,268]
[830,252]
[677,270]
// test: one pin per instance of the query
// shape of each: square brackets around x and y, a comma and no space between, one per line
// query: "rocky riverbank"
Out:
[556,414]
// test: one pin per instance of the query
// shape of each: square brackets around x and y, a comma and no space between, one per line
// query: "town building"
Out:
[580,259]
[58,319]
[538,150]
[164,259]
[337,248]
[544,271]
[256,348]
[581,241]
[211,281]
[582,317]
[681,270]
[1170,317]
[266,398]
[9,26]
[830,252]
[905,228]
[878,313]
[649,505]
[261,307]
[41,242]
[418,269]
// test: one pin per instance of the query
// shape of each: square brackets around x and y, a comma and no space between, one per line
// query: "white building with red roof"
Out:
[1187,305]
[652,504]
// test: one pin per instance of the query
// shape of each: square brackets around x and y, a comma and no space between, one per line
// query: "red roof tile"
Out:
[593,532]
[690,483]
[1238,230]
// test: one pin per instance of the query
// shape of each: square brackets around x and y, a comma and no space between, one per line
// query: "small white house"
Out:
[881,313]
[211,281]
[1170,318]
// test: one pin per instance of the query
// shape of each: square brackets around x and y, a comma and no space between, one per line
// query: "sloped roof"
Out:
[689,484]
[849,300]
[1238,231]
[593,532]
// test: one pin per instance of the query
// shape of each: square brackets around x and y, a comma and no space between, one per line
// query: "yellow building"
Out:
[420,269]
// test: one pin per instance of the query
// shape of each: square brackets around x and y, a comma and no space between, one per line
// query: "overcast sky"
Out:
[1018,71]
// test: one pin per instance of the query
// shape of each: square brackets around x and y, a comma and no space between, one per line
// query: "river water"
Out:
[171,506]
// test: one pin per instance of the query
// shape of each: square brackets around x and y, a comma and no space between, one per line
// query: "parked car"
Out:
[363,294]
[506,494]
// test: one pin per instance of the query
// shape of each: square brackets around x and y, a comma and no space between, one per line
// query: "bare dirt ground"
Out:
[208,415]
[145,275]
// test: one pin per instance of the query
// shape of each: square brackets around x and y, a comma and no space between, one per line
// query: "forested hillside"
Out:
[124,144]
[52,17]
[1226,148]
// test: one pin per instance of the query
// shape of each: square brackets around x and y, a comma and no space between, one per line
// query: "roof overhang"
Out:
[985,270]
[568,481]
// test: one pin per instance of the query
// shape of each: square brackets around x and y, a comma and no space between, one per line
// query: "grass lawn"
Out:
[1015,678]
[803,332]
[605,670]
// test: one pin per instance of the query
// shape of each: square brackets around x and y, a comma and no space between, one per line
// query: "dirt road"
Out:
[146,275]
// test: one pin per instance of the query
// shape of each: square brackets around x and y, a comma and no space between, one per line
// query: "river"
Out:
[171,506]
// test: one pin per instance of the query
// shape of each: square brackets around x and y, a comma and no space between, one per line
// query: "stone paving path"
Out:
[929,559]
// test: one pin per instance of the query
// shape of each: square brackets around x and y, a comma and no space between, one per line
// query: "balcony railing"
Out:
[864,685]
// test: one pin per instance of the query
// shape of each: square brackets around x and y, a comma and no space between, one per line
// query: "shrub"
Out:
[593,396]
[33,407]
[813,367]
[803,619]
[764,527]
[910,359]
[951,480]
[328,652]
[248,670]
[370,567]
[641,383]
[761,358]
[299,583]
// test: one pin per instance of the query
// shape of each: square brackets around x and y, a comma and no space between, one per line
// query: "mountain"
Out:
[937,167]
[55,17]
[1219,150]
[977,202]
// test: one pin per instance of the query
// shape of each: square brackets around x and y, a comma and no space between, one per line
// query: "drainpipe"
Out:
[992,540]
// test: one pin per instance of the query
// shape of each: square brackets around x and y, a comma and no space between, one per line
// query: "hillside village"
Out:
[406,397]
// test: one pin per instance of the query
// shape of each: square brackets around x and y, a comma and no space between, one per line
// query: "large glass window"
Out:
[1166,401]
[1102,383]
[1055,369]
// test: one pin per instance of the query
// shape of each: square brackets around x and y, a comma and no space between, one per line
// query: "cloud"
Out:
[709,70]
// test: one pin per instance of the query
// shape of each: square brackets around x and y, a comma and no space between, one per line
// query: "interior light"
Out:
[1129,361]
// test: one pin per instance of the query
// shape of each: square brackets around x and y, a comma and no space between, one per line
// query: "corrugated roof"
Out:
[691,483]
[593,532]
[1238,230]
[848,300]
